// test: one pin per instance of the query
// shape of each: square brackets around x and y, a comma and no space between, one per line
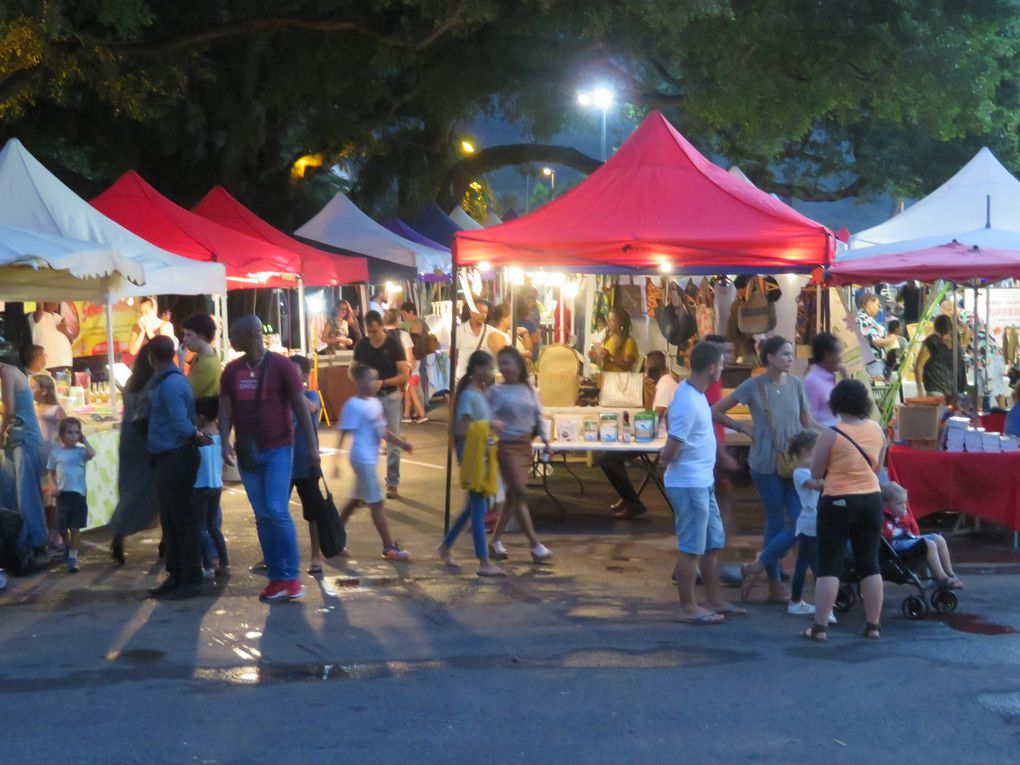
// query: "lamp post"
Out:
[551,175]
[602,99]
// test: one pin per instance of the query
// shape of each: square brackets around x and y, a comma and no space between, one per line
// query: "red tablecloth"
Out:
[986,486]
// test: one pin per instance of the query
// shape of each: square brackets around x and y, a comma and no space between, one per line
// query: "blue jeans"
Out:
[807,557]
[781,501]
[213,543]
[393,409]
[268,490]
[474,509]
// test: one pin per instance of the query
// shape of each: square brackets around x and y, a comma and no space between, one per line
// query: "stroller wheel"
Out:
[944,601]
[914,607]
[845,599]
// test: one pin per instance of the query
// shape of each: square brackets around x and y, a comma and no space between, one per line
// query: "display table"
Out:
[335,382]
[986,486]
[101,472]
[646,457]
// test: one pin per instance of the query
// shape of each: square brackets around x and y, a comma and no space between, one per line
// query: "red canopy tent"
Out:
[250,262]
[318,268]
[656,202]
[953,262]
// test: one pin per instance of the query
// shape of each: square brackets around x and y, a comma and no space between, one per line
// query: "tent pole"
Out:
[978,386]
[225,331]
[988,330]
[302,328]
[564,336]
[453,390]
[956,346]
[110,353]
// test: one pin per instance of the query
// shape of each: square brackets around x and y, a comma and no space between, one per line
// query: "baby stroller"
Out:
[898,568]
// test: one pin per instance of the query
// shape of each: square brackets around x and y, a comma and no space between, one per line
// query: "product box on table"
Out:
[920,423]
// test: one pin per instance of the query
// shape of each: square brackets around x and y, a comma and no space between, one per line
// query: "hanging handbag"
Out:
[755,314]
[786,461]
[622,390]
[675,319]
[704,309]
[653,297]
[332,534]
[628,297]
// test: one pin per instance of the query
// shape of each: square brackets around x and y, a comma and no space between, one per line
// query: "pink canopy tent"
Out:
[952,261]
[318,268]
[250,262]
[657,202]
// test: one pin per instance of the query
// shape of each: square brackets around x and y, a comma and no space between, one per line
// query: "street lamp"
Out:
[467,147]
[551,174]
[602,99]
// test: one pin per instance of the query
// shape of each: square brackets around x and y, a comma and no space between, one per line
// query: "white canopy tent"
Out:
[983,193]
[33,199]
[341,224]
[37,266]
[465,221]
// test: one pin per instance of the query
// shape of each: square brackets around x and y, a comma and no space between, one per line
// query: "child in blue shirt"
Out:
[209,489]
[67,463]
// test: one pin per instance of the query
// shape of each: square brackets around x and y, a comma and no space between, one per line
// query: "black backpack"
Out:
[11,557]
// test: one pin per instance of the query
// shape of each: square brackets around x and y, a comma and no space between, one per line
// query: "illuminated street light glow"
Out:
[584,99]
[602,98]
[467,147]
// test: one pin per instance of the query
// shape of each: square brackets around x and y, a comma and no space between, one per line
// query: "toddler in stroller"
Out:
[909,558]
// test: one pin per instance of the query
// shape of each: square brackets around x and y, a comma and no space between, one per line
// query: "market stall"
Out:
[33,199]
[656,206]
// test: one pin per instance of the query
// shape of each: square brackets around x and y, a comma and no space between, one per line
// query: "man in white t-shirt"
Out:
[51,332]
[660,385]
[689,456]
[472,334]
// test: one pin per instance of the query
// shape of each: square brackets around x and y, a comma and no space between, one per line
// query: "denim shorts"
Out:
[366,486]
[699,526]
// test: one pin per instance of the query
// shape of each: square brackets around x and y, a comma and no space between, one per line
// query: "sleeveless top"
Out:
[848,472]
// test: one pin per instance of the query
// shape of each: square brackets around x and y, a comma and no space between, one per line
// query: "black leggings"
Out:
[854,518]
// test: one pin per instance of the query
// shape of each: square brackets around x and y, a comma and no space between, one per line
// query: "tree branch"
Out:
[459,177]
[273,23]
[814,193]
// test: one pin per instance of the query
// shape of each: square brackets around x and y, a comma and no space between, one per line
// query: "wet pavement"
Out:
[581,660]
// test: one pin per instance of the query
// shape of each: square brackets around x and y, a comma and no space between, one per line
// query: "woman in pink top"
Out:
[847,458]
[826,363]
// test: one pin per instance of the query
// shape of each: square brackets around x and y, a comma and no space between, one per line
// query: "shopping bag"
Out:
[332,534]
[755,314]
[623,390]
[629,298]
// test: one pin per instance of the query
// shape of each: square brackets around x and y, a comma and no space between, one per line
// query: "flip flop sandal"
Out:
[315,570]
[872,631]
[731,611]
[709,617]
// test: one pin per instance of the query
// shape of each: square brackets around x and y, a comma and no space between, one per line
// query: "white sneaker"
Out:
[499,548]
[540,553]
[832,618]
[800,609]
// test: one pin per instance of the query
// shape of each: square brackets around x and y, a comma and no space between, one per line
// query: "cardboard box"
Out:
[919,423]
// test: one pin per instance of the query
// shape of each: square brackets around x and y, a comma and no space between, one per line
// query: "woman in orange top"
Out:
[847,458]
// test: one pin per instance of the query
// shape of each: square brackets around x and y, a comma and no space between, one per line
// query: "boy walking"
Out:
[689,455]
[363,417]
[67,463]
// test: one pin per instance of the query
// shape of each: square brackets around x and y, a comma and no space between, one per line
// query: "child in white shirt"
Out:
[67,463]
[809,490]
[363,417]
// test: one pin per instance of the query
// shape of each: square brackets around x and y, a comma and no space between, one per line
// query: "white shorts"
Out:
[366,487]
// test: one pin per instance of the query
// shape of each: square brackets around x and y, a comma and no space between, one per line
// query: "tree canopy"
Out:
[817,99]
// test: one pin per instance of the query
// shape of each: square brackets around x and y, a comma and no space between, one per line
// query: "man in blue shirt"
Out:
[173,444]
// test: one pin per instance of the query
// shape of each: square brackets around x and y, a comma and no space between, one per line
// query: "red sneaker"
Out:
[291,589]
[275,590]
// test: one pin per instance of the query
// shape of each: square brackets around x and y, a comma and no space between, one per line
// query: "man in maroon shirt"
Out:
[260,395]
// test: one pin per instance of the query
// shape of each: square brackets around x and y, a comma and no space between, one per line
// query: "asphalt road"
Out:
[580,661]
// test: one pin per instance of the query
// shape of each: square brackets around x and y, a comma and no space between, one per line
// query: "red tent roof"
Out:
[318,268]
[656,201]
[952,261]
[137,206]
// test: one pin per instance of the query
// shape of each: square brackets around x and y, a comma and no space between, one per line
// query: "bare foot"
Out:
[749,573]
[444,553]
[698,615]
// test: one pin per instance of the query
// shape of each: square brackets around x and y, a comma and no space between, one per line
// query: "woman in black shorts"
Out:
[847,458]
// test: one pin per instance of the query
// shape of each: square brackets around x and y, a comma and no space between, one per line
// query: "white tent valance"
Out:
[33,199]
[44,267]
